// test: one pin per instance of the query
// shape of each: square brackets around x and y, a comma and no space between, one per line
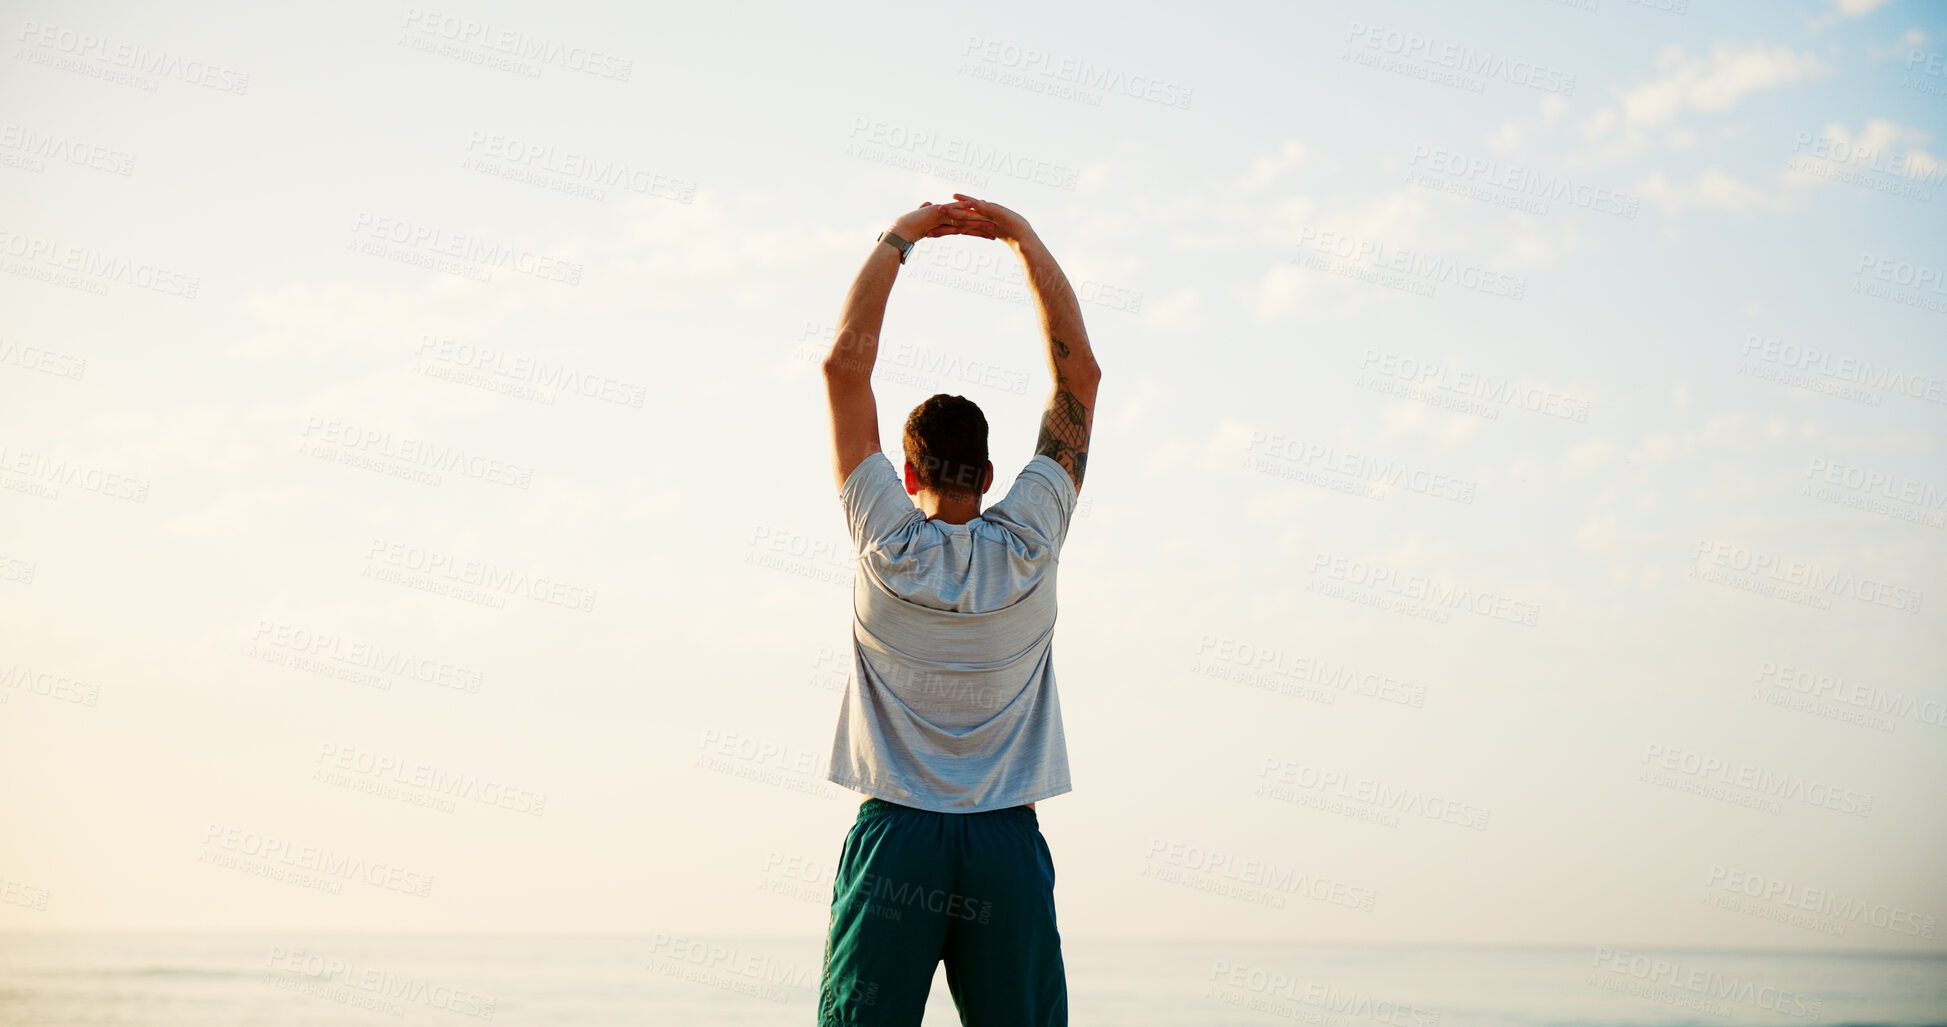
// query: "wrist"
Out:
[908,237]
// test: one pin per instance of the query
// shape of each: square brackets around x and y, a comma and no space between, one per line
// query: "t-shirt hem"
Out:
[935,805]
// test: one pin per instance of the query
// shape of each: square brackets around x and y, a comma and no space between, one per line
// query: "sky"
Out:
[1517,508]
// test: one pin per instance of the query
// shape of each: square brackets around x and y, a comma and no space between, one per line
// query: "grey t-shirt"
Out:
[951,705]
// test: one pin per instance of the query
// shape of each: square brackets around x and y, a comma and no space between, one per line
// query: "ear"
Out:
[987,479]
[912,479]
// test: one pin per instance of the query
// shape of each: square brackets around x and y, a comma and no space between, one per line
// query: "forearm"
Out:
[1069,354]
[855,344]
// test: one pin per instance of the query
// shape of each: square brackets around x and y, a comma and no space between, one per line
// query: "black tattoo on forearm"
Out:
[1061,348]
[1064,432]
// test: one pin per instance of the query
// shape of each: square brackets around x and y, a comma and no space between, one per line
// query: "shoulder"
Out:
[874,469]
[1049,471]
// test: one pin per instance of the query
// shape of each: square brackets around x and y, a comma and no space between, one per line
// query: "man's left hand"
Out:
[932,220]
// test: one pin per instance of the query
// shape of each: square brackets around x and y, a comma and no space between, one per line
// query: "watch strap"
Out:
[902,245]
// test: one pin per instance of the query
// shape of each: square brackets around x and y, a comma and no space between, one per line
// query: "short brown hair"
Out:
[946,442]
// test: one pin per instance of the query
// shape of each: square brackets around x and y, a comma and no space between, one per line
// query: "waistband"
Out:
[875,807]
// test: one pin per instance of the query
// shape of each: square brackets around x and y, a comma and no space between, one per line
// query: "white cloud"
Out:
[1599,534]
[1172,309]
[1270,167]
[1165,458]
[1588,457]
[1281,291]
[1857,8]
[1883,145]
[1716,83]
[1900,49]
[1712,189]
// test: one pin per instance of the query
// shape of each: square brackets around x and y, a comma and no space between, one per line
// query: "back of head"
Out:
[946,442]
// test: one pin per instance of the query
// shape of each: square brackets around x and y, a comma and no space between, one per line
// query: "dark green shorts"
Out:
[913,888]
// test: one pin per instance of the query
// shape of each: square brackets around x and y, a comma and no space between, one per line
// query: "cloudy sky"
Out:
[1516,514]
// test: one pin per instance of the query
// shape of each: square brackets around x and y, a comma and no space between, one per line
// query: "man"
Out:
[950,722]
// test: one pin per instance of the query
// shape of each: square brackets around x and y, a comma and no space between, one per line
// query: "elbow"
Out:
[841,367]
[1089,373]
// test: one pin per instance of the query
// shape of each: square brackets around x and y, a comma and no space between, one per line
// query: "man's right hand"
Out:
[1008,225]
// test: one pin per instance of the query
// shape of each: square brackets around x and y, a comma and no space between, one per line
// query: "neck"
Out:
[951,510]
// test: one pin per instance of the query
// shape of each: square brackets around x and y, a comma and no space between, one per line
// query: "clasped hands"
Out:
[964,216]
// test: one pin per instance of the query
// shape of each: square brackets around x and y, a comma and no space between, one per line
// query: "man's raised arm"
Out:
[1070,414]
[855,345]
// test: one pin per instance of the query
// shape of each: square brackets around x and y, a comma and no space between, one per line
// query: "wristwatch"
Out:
[896,243]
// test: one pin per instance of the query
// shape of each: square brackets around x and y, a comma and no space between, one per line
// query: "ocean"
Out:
[187,980]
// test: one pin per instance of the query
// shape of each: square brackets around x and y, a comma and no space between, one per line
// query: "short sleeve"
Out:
[875,502]
[1041,502]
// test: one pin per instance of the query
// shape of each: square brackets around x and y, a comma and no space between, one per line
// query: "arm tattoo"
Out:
[1064,432]
[1061,348]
